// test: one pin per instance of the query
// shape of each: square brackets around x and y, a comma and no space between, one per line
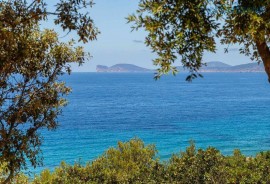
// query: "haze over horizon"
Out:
[181,65]
[117,44]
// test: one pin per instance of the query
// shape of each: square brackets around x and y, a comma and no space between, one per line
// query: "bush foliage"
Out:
[135,162]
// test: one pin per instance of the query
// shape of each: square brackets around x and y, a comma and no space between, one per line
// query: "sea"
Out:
[225,110]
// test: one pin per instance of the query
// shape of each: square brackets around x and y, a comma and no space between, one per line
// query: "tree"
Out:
[184,30]
[136,162]
[129,162]
[31,61]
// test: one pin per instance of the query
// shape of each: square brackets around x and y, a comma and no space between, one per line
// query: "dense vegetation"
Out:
[135,162]
[181,30]
[32,60]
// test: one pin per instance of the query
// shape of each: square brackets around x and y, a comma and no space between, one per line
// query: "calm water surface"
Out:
[225,110]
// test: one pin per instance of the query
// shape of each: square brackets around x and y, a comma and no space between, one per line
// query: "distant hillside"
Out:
[250,67]
[214,66]
[217,66]
[121,68]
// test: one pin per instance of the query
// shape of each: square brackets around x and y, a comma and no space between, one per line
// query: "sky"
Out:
[117,44]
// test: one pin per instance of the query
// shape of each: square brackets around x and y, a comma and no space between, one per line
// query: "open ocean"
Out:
[224,110]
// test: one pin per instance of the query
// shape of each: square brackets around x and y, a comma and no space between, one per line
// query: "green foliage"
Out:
[195,166]
[65,174]
[135,162]
[129,162]
[31,94]
[184,30]
[17,178]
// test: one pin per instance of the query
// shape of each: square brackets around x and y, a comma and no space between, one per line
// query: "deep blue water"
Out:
[225,110]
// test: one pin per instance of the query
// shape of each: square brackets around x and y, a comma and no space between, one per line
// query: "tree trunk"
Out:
[264,52]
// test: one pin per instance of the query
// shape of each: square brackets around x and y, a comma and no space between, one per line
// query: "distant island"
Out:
[213,66]
[121,68]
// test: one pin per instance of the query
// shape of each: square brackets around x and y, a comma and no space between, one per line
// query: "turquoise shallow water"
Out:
[225,110]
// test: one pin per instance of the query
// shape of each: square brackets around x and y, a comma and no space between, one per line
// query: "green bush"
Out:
[194,166]
[130,162]
[135,162]
[18,178]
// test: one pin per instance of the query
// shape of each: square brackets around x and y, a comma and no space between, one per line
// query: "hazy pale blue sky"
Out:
[117,44]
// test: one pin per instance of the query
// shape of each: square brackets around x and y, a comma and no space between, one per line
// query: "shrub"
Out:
[135,162]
